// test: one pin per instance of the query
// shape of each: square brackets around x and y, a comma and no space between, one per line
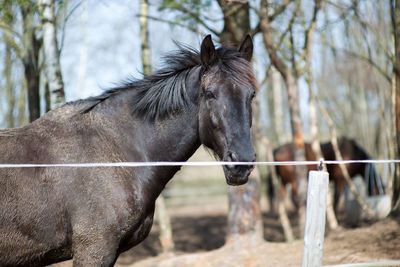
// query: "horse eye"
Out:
[209,95]
[252,95]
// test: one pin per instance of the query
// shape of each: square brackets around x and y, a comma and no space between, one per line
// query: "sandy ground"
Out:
[199,240]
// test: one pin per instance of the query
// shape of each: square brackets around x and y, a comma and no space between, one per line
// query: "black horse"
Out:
[53,214]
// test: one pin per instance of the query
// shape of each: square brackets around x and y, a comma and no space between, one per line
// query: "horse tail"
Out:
[373,180]
[378,180]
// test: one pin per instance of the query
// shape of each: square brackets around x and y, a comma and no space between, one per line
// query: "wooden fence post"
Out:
[315,218]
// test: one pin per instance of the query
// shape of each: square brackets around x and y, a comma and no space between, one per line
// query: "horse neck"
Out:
[174,138]
[177,136]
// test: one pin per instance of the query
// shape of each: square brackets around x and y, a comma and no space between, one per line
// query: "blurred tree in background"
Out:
[395,16]
[24,29]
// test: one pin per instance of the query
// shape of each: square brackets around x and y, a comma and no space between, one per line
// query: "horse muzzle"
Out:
[237,174]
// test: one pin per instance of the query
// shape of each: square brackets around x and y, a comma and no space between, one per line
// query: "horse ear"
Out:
[207,51]
[246,48]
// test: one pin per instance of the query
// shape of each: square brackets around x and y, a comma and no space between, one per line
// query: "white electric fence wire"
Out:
[196,163]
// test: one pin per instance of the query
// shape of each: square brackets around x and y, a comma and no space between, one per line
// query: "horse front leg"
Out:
[94,250]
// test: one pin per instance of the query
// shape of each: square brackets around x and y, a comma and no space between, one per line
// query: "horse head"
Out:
[225,114]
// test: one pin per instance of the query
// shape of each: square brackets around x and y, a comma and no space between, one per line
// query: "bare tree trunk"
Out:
[316,147]
[388,126]
[300,170]
[244,216]
[22,117]
[8,66]
[285,222]
[9,87]
[278,105]
[244,210]
[293,99]
[30,60]
[395,15]
[27,48]
[315,144]
[166,240]
[47,98]
[32,78]
[167,243]
[392,134]
[236,21]
[51,53]
[365,128]
[144,36]
[83,50]
[343,168]
[278,120]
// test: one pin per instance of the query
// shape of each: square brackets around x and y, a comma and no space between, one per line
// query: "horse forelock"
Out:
[231,64]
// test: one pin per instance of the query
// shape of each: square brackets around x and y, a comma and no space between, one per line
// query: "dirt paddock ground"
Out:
[199,235]
[204,233]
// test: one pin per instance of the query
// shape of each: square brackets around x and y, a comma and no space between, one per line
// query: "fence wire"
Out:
[195,163]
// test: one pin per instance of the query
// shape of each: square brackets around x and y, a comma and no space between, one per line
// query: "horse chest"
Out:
[139,232]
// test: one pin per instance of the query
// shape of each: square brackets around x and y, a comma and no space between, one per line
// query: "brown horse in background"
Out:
[349,149]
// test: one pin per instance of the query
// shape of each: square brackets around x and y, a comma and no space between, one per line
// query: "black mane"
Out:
[163,92]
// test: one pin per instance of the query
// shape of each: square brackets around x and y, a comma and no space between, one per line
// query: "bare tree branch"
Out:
[6,27]
[279,10]
[345,11]
[67,17]
[192,29]
[361,57]
[8,33]
[339,157]
[310,32]
[268,41]
[196,18]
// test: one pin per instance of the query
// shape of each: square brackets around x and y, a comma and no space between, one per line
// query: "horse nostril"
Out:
[232,156]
